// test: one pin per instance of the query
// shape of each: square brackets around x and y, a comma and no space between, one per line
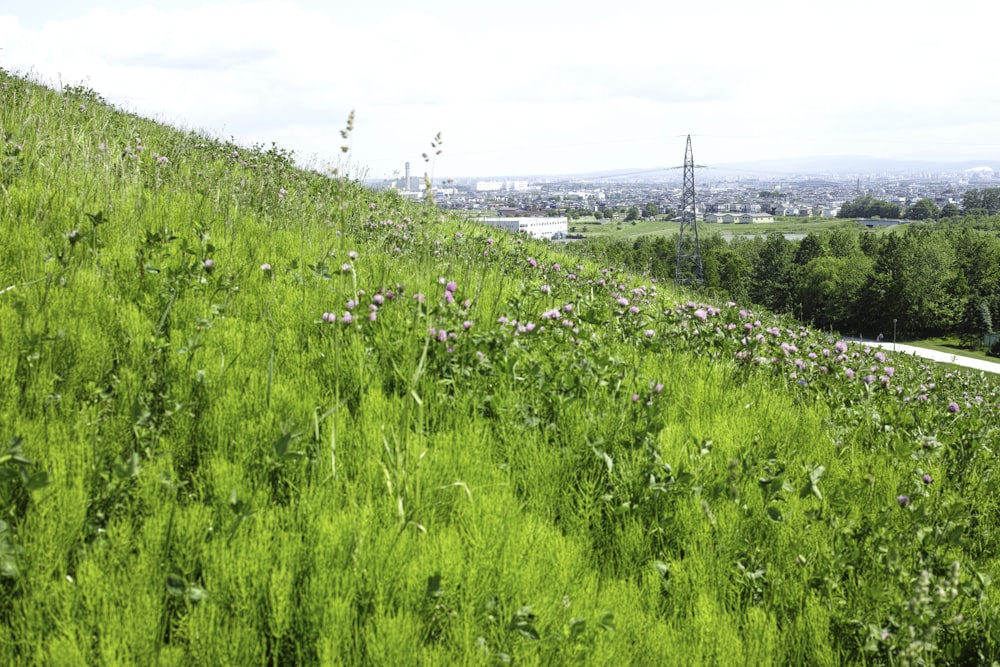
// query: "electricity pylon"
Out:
[689,268]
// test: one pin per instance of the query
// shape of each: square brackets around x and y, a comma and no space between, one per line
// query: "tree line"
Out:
[929,279]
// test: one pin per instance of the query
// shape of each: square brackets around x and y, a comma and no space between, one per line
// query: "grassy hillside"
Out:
[255,415]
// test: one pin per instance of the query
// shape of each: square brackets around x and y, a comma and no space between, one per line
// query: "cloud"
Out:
[590,86]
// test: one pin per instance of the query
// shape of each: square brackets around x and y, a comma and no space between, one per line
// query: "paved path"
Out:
[935,355]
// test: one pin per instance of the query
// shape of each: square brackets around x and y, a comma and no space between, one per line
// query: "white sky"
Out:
[536,86]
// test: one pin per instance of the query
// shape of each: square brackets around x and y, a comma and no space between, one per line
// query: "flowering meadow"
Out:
[255,414]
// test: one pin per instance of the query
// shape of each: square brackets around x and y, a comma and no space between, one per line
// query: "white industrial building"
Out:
[496,186]
[539,228]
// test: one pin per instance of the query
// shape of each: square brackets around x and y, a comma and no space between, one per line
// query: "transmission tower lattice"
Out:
[689,268]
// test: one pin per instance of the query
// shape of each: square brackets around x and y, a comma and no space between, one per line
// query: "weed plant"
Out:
[253,414]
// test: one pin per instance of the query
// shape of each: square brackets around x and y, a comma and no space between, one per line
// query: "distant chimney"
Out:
[409,187]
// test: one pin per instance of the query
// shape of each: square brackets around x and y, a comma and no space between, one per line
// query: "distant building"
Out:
[752,218]
[539,228]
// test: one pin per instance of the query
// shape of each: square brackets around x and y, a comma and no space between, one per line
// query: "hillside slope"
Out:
[257,415]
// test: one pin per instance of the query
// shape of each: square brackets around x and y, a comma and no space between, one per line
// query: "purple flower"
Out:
[635,398]
[545,289]
[329,317]
[451,286]
[346,266]
[532,262]
[650,333]
[953,407]
[265,267]
[903,500]
[347,318]
[378,299]
[442,335]
[840,347]
[467,324]
[208,264]
[701,314]
[927,479]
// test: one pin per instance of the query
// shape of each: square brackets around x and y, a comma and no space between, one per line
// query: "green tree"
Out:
[987,199]
[830,287]
[650,210]
[924,209]
[917,280]
[867,206]
[810,248]
[771,285]
[632,214]
[734,274]
[949,210]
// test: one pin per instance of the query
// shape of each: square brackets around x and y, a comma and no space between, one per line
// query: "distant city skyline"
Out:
[534,87]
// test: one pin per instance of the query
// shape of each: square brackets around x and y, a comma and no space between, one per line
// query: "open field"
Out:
[251,414]
[626,230]
[951,345]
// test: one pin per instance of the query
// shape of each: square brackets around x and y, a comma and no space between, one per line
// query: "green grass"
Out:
[952,345]
[628,230]
[504,453]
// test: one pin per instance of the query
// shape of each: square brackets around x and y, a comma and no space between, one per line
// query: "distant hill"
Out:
[829,166]
[848,164]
